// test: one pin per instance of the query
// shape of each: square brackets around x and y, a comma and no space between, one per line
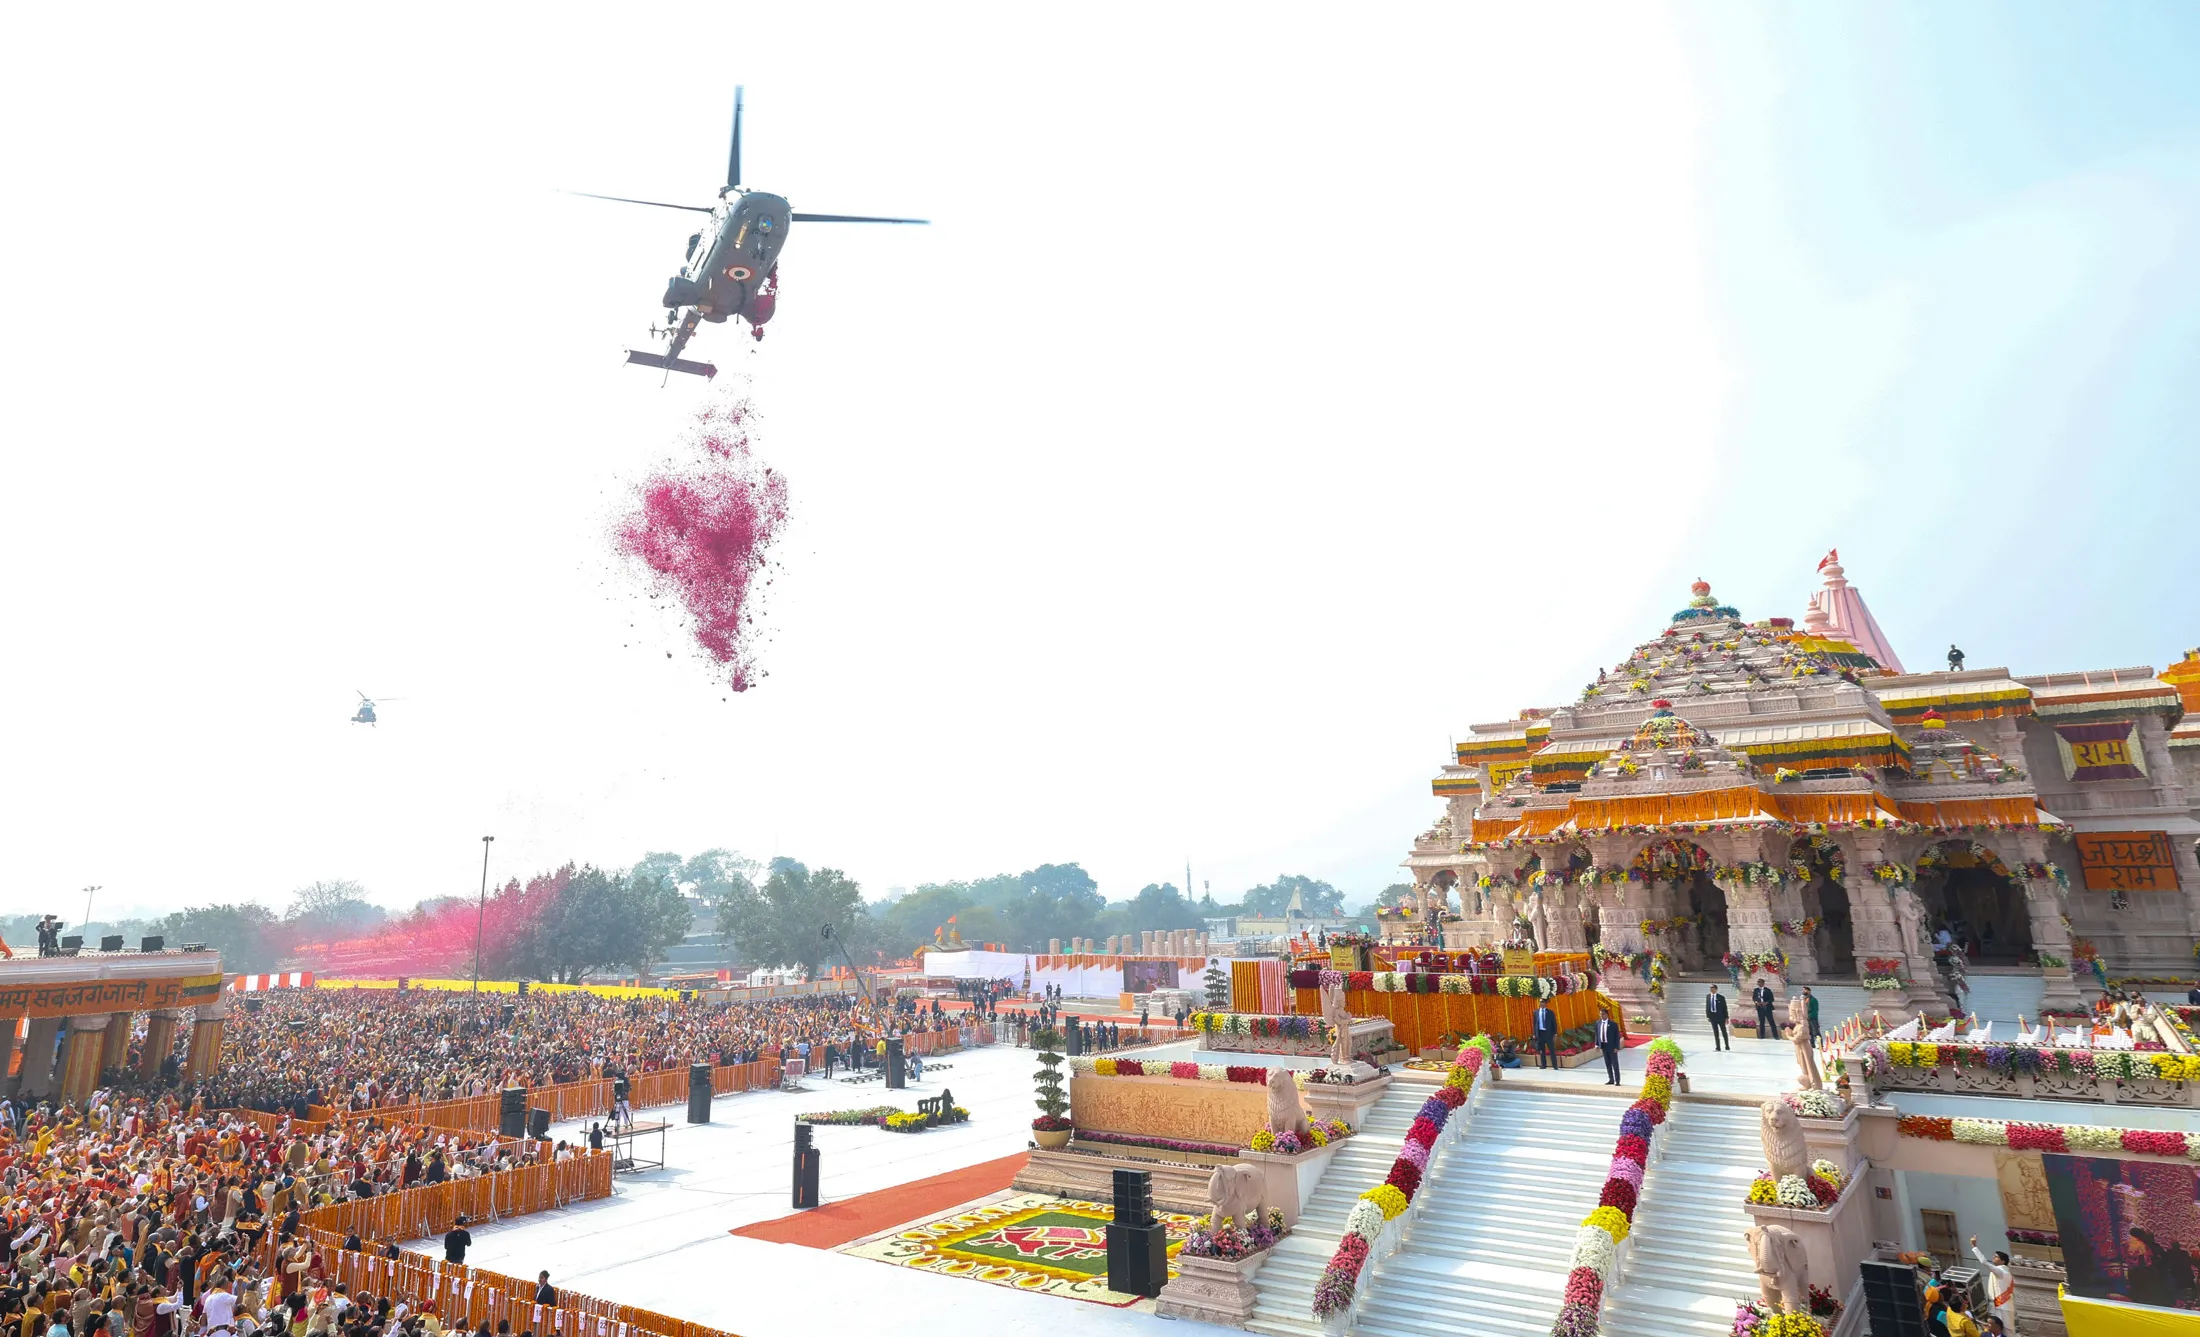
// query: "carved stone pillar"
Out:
[1621,931]
[1872,923]
[2044,901]
[1785,899]
[1749,931]
[1562,914]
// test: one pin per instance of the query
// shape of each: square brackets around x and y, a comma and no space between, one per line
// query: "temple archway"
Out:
[1967,890]
[1819,862]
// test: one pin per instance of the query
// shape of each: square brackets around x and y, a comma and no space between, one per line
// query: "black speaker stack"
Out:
[1138,1245]
[1074,1043]
[897,1075]
[1892,1299]
[805,1167]
[512,1112]
[538,1124]
[699,1093]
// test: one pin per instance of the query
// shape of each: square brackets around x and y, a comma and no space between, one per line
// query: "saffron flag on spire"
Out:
[1832,555]
[951,918]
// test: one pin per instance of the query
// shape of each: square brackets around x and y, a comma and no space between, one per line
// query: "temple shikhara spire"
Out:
[1838,610]
[1754,797]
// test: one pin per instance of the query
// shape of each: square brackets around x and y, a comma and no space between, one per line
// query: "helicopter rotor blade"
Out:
[654,204]
[733,159]
[853,218]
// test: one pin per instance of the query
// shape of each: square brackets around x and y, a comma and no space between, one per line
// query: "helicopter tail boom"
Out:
[663,363]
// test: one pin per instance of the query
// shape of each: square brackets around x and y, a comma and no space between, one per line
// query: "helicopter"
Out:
[365,713]
[732,266]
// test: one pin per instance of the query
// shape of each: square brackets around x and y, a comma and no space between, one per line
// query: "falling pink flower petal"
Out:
[705,530]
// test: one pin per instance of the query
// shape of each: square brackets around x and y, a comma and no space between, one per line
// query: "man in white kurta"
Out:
[2001,1287]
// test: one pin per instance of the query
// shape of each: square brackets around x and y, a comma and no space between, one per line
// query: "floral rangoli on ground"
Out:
[1030,1241]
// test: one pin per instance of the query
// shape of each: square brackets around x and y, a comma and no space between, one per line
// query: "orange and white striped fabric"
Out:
[296,979]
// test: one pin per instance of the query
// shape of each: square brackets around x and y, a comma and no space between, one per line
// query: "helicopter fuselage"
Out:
[729,260]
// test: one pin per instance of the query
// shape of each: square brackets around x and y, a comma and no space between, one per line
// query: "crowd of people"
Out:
[361,1050]
[139,1213]
[158,1208]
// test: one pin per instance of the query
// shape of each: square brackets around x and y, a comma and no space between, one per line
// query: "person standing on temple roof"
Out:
[1714,1010]
[1955,660]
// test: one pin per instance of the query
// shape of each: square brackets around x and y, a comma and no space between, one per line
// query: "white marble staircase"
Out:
[1488,1253]
[1686,1263]
[1286,1281]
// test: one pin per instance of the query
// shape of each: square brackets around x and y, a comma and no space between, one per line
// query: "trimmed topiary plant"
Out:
[1053,1105]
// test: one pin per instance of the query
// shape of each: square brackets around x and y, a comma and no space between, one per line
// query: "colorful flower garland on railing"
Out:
[1340,1280]
[1596,1247]
[1189,1072]
[2064,1137]
[1421,981]
[2108,1064]
[1311,1029]
[1754,1318]
[1814,1190]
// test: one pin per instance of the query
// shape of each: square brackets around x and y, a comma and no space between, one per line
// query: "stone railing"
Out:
[2111,1077]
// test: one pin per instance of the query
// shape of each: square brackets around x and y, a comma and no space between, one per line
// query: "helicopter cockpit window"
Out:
[693,242]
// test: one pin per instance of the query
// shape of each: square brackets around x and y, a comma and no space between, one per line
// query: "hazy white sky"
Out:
[1272,397]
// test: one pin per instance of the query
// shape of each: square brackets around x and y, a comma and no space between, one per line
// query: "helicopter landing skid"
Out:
[702,369]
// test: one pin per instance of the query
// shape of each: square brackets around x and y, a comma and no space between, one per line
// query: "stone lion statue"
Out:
[1233,1194]
[1785,1150]
[1783,1267]
[1285,1112]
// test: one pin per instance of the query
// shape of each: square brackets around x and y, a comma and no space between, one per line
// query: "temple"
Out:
[1784,802]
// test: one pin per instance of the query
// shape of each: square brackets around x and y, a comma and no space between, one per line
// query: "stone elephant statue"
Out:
[1783,1267]
[1233,1194]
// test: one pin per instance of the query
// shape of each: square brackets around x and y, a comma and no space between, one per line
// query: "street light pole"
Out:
[481,908]
[88,905]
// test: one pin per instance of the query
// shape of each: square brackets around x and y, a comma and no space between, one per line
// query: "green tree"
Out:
[249,937]
[332,911]
[1316,897]
[653,917]
[1158,905]
[777,924]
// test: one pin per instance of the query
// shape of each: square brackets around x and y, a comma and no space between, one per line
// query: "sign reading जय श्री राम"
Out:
[2126,860]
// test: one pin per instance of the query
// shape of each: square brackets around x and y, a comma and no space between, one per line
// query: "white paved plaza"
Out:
[661,1240]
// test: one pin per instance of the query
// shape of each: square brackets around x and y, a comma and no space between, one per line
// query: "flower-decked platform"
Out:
[1430,1008]
[1026,1241]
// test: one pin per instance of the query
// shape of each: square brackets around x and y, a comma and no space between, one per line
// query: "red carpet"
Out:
[838,1223]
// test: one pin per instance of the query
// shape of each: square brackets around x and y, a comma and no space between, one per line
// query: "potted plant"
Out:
[1051,1129]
